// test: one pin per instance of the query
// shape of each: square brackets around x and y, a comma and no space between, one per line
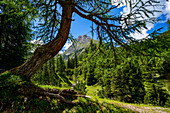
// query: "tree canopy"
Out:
[15,34]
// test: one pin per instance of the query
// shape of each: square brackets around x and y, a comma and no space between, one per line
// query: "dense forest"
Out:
[107,75]
[132,78]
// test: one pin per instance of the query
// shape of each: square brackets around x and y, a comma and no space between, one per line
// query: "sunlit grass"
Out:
[53,87]
[92,92]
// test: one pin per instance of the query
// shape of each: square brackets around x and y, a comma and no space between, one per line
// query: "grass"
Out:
[86,105]
[53,87]
[135,107]
[92,90]
[104,103]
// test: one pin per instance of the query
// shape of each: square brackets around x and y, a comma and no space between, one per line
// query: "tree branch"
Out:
[57,96]
[45,52]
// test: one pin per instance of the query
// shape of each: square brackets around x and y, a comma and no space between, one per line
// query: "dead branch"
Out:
[57,96]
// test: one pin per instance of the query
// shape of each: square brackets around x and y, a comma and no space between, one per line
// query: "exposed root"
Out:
[34,91]
[1,105]
[57,96]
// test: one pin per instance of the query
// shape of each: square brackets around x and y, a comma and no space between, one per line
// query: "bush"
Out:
[81,88]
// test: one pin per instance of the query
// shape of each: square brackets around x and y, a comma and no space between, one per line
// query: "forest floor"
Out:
[140,108]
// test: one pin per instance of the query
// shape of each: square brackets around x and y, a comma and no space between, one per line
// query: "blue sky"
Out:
[82,26]
[160,24]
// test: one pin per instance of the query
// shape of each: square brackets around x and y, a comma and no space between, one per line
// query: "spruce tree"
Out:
[76,60]
[168,22]
[14,36]
[68,63]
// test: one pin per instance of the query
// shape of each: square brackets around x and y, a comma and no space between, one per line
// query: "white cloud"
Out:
[37,42]
[67,45]
[141,35]
[60,52]
[116,2]
[165,8]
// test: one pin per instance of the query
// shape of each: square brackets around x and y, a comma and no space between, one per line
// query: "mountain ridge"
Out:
[78,46]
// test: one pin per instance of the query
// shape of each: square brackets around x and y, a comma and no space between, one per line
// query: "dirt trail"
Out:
[142,109]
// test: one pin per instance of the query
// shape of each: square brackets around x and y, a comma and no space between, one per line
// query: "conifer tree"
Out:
[14,36]
[168,22]
[91,80]
[52,76]
[45,74]
[76,60]
[90,46]
[62,66]
[72,63]
[68,63]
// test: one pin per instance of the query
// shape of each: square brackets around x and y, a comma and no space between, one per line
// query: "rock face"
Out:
[78,46]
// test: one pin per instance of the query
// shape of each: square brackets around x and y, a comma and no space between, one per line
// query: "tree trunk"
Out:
[45,52]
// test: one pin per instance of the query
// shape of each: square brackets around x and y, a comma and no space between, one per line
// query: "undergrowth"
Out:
[13,101]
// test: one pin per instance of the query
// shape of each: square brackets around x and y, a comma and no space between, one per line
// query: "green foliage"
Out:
[127,81]
[52,73]
[81,87]
[156,94]
[133,78]
[168,22]
[12,101]
[127,76]
[87,105]
[15,32]
[9,85]
[90,75]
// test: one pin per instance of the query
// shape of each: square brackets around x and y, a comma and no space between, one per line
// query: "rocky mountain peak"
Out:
[83,38]
[79,45]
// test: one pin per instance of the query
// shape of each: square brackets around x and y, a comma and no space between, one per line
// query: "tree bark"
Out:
[45,52]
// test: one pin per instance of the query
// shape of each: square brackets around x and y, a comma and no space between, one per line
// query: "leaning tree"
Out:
[55,17]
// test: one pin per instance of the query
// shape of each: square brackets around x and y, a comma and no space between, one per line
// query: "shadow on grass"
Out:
[13,101]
